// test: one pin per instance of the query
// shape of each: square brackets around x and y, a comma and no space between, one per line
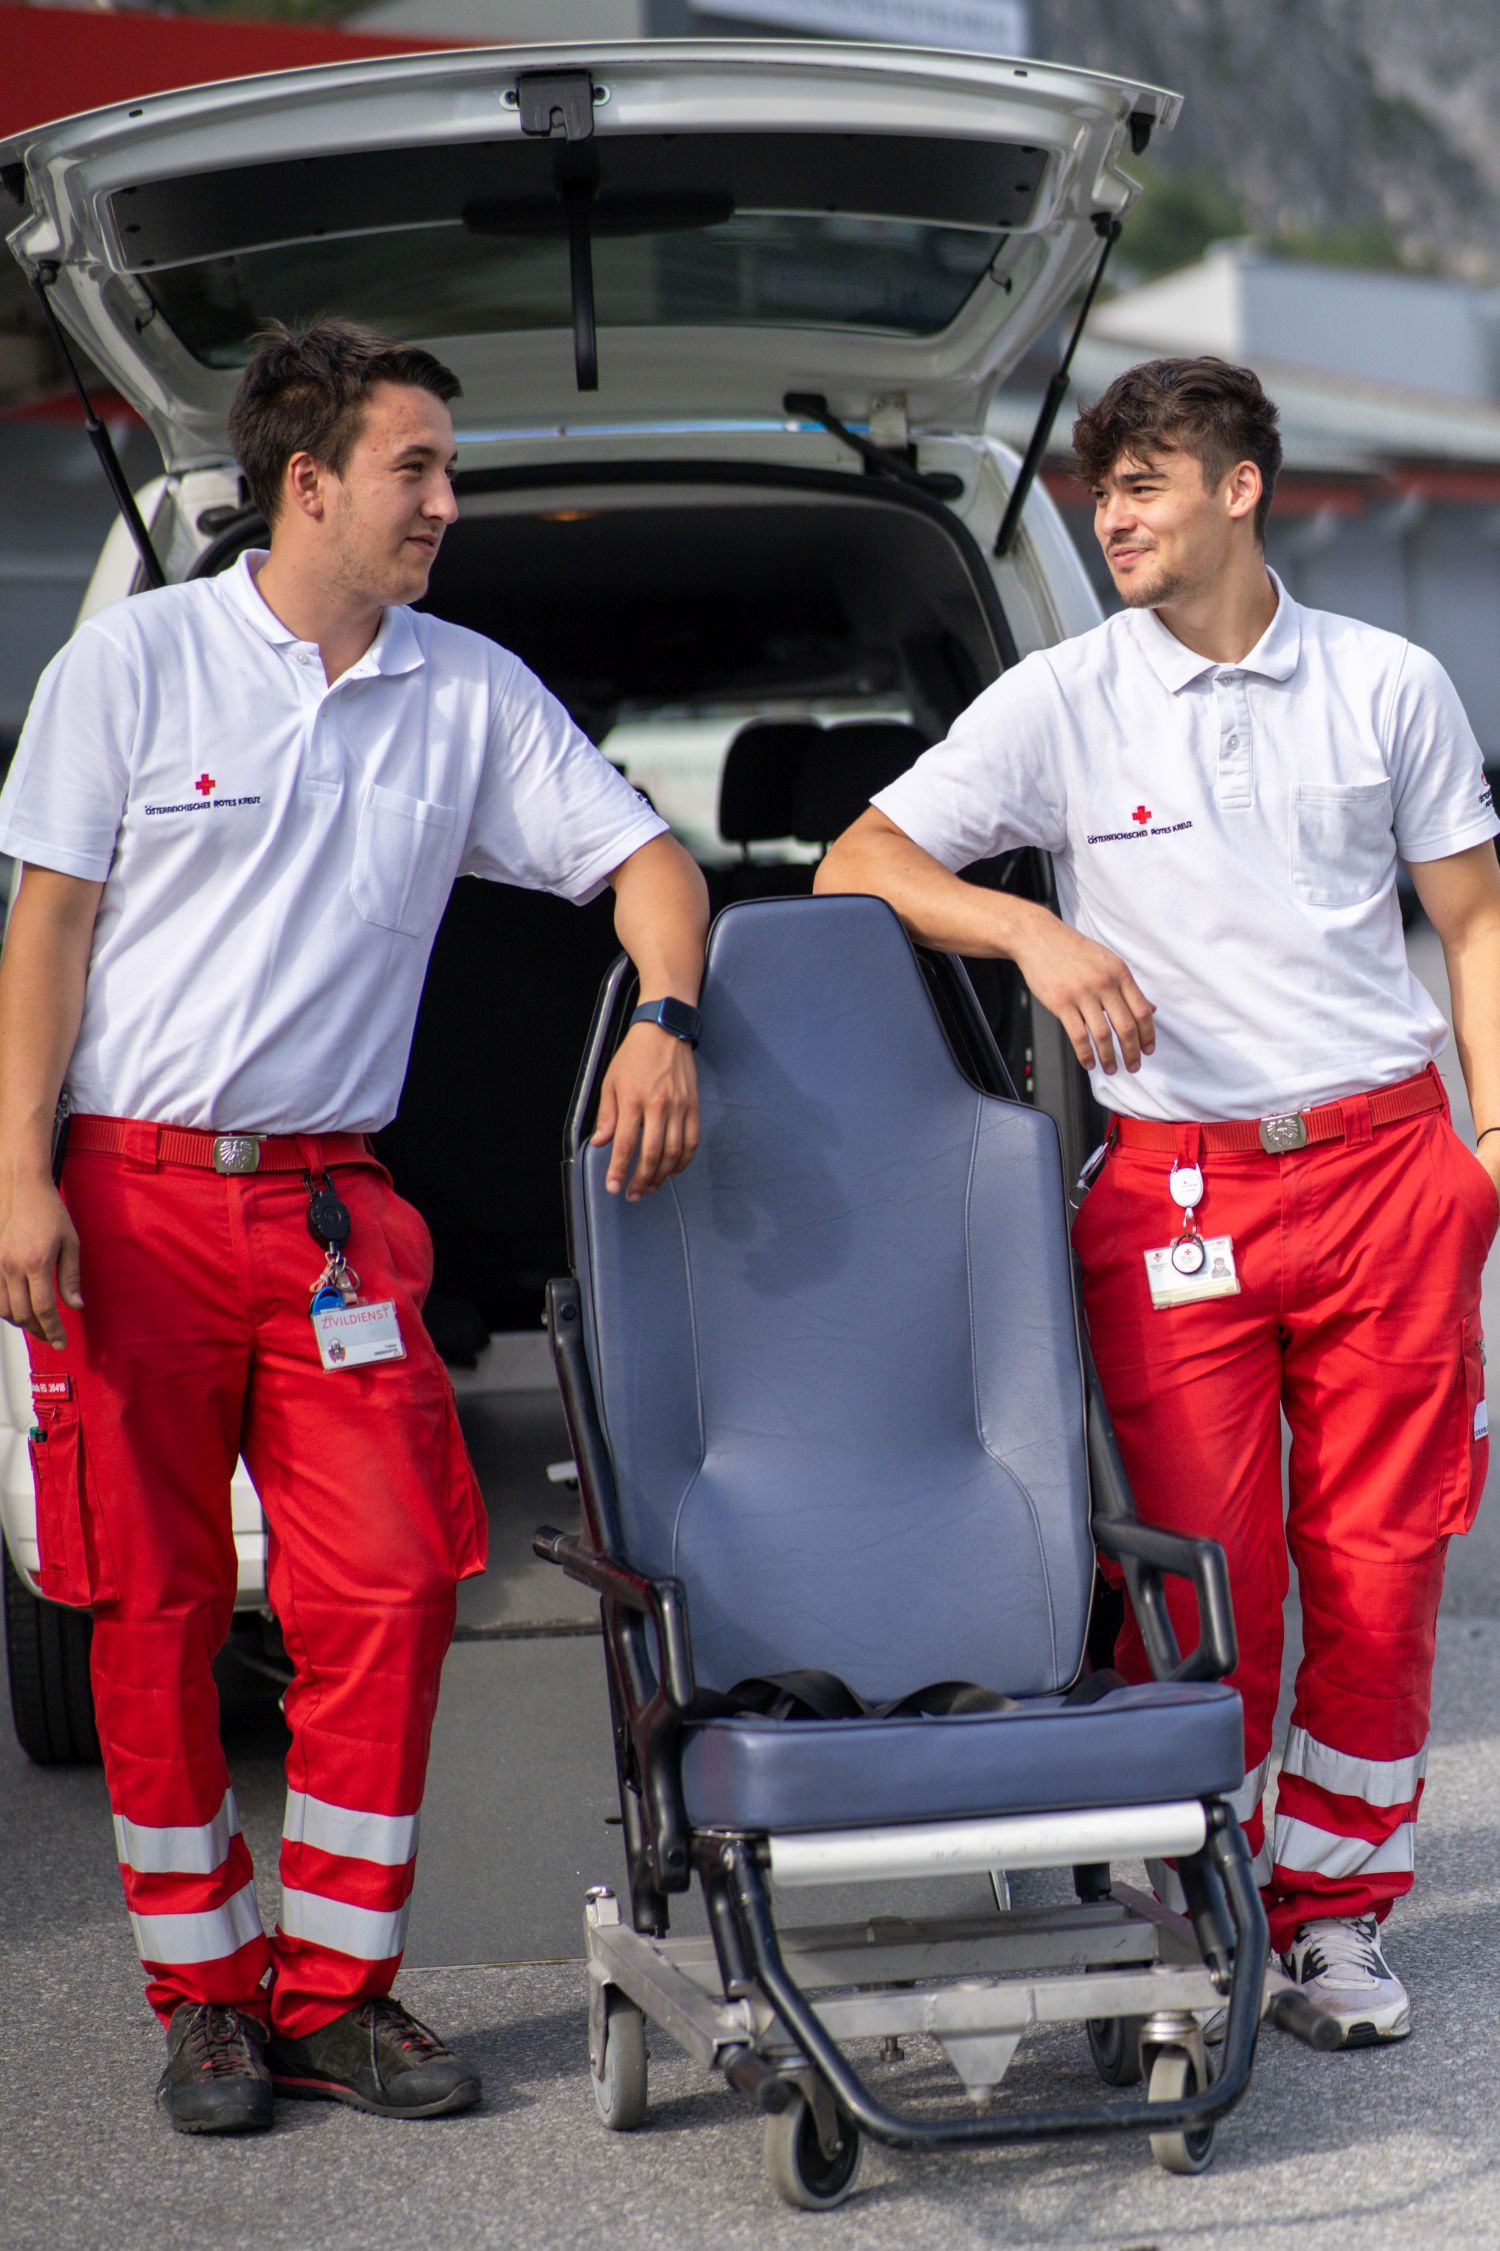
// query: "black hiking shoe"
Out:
[379,2058]
[216,2081]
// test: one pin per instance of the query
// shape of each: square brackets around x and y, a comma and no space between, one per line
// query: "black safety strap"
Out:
[813,1694]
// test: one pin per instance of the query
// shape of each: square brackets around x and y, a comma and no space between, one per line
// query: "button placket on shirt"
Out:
[323,750]
[1234,787]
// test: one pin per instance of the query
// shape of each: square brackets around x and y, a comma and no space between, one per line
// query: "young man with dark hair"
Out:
[1285,1220]
[241,804]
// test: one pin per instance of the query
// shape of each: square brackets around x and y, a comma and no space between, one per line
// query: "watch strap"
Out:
[675,1016]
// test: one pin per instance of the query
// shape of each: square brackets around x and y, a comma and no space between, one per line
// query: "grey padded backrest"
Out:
[837,1359]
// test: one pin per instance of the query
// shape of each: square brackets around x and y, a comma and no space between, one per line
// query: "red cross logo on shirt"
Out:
[204,784]
[1142,814]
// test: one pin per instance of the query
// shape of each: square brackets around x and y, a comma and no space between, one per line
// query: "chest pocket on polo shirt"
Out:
[403,861]
[1342,846]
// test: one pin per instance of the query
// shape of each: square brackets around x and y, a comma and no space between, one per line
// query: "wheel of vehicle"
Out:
[1173,2075]
[620,2086]
[1115,2045]
[797,2165]
[47,1659]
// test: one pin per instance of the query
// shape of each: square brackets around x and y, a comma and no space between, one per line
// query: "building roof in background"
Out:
[55,62]
[1333,423]
[1409,331]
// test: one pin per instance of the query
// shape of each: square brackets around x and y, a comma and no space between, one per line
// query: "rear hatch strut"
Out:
[1109,230]
[99,437]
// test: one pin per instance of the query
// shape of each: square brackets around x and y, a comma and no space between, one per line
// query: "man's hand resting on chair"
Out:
[648,1106]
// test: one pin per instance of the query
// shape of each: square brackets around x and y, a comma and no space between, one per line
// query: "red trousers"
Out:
[194,1347]
[1358,1318]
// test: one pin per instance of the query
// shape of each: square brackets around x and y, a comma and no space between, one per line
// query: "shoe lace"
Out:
[1345,1944]
[389,2019]
[214,2042]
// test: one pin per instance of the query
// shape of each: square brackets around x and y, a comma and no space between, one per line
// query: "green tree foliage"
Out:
[1176,218]
[1180,214]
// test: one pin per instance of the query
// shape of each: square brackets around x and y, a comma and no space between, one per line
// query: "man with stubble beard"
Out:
[1282,1219]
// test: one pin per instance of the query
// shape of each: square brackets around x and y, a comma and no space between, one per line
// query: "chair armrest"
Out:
[663,1601]
[1157,1550]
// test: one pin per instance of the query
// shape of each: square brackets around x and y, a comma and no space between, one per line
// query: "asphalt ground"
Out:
[1357,2152]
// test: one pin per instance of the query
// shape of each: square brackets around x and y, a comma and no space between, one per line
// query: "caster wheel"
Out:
[620,2088]
[1115,2045]
[797,2165]
[1173,2075]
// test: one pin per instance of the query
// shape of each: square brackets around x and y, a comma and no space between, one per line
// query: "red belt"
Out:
[215,1152]
[1291,1129]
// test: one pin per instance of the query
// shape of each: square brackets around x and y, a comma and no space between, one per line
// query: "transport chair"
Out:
[843,1466]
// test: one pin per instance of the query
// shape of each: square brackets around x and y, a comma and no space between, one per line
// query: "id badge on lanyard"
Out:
[349,1333]
[1191,1266]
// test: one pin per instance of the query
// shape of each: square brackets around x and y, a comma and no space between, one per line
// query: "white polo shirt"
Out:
[276,852]
[1232,831]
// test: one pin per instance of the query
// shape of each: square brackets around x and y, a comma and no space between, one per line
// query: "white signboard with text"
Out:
[984,27]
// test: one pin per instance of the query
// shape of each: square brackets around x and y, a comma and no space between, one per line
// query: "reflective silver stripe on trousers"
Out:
[205,1937]
[177,1852]
[1167,1885]
[1318,1852]
[1244,1800]
[1247,1797]
[389,1838]
[368,1933]
[1376,1781]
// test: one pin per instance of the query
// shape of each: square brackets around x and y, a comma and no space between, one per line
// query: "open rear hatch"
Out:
[697,228]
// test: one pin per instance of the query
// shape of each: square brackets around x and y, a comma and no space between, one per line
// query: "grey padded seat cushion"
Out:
[1135,1746]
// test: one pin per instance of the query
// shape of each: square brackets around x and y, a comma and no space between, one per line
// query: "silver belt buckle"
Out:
[236,1152]
[1284,1132]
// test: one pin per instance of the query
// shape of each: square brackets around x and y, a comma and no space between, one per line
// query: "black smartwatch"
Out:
[674,1016]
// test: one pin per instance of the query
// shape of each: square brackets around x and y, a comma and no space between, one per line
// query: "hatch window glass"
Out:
[439,281]
[860,231]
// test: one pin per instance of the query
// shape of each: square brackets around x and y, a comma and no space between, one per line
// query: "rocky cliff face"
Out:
[1356,117]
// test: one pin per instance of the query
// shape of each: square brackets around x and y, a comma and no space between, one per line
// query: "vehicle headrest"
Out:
[757,789]
[841,775]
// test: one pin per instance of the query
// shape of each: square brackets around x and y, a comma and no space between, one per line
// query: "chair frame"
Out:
[738,2000]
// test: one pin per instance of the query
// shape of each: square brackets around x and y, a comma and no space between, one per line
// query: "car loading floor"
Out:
[1398,2148]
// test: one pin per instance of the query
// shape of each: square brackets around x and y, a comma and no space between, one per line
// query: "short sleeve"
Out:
[550,814]
[64,797]
[1440,797]
[994,782]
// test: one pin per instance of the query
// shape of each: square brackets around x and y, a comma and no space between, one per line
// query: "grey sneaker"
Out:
[379,2058]
[216,2081]
[1340,1968]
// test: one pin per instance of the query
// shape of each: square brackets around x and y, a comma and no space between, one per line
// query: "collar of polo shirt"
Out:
[394,649]
[1274,657]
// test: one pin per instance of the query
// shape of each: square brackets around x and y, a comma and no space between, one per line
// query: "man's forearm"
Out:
[661,919]
[1088,988]
[1462,897]
[938,908]
[1474,988]
[42,973]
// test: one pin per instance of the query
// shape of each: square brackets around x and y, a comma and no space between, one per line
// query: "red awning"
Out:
[55,61]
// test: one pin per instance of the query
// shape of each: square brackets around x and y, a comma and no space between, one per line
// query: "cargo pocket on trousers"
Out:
[75,1567]
[1470,1447]
[467,1515]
